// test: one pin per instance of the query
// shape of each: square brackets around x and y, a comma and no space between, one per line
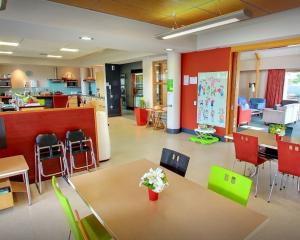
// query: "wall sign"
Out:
[211,102]
[170,85]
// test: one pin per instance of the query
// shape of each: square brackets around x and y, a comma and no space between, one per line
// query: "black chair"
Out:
[77,143]
[47,147]
[174,161]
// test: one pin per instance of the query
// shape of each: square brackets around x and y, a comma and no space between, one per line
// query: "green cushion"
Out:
[205,139]
[230,184]
[94,228]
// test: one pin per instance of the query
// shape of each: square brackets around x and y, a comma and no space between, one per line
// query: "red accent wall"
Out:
[23,127]
[191,64]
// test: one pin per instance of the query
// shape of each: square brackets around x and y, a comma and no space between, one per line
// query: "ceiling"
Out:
[273,52]
[43,27]
[177,13]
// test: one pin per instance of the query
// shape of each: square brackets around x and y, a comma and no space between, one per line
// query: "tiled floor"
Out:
[45,219]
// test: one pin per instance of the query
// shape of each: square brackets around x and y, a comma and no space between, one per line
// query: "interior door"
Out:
[113,89]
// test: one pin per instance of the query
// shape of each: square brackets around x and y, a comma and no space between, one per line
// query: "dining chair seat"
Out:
[94,229]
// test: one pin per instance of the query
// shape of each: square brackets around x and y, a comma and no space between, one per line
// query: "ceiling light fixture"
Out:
[86,38]
[54,56]
[69,50]
[294,45]
[169,49]
[13,44]
[207,24]
[5,52]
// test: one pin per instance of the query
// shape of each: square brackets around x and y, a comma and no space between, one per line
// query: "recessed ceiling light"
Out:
[69,50]
[86,38]
[169,49]
[4,52]
[54,56]
[13,44]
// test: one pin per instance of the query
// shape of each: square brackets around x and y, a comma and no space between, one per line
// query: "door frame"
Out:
[234,72]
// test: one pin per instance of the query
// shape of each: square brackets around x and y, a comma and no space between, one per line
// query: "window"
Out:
[292,86]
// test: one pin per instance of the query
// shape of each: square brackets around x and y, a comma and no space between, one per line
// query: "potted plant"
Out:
[141,114]
[278,130]
[156,181]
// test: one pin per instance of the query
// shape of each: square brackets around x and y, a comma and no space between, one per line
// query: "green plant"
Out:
[142,103]
[277,129]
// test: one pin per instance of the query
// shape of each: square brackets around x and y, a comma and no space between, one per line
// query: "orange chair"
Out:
[246,150]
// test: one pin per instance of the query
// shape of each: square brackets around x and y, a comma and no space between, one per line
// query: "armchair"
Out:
[257,103]
[244,112]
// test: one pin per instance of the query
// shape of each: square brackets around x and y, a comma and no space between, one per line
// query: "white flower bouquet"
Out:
[156,180]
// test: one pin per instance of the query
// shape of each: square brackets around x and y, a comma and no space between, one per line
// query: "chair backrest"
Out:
[174,161]
[289,158]
[246,148]
[75,135]
[230,184]
[48,139]
[64,202]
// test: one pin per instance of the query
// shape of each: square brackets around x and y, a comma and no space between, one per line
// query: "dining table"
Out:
[265,139]
[184,210]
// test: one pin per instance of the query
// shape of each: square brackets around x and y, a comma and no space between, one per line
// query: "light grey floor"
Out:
[45,218]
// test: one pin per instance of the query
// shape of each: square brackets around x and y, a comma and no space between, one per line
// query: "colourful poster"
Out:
[211,102]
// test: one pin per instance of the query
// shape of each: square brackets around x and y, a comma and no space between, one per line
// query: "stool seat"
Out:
[79,149]
[45,154]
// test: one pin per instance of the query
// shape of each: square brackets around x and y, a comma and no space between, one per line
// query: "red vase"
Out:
[153,196]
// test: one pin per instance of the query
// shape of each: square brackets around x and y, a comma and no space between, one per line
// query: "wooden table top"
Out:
[185,210]
[10,166]
[266,139]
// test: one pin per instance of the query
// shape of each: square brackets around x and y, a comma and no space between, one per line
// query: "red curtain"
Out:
[275,84]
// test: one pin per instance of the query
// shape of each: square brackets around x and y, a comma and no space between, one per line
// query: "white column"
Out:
[174,73]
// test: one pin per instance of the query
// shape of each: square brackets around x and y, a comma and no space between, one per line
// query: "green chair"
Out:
[230,184]
[86,228]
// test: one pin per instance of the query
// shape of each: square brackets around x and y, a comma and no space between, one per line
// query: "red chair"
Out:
[246,150]
[243,116]
[288,162]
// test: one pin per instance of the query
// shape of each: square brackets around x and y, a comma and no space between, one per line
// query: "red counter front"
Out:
[23,127]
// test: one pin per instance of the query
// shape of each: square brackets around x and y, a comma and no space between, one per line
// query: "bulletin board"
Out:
[211,102]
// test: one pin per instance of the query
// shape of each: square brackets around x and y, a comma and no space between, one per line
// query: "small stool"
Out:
[76,143]
[48,147]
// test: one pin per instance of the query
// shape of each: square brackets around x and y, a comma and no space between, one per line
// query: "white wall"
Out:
[147,78]
[39,73]
[279,25]
[249,76]
[291,62]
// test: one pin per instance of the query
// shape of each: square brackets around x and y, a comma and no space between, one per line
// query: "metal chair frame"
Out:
[72,158]
[39,169]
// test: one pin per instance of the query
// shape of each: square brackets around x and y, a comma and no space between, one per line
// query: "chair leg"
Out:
[298,185]
[69,237]
[280,188]
[286,181]
[256,187]
[233,164]
[86,161]
[270,173]
[40,177]
[245,169]
[269,199]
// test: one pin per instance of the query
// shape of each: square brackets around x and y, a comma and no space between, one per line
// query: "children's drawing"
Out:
[212,91]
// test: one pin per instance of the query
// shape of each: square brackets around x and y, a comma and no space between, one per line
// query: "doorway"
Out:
[160,73]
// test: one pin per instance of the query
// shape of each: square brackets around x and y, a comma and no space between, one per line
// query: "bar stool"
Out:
[48,147]
[76,143]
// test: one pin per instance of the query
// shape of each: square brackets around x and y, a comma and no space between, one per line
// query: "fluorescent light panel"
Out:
[193,30]
[5,52]
[54,56]
[207,24]
[13,44]
[86,38]
[294,45]
[69,50]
